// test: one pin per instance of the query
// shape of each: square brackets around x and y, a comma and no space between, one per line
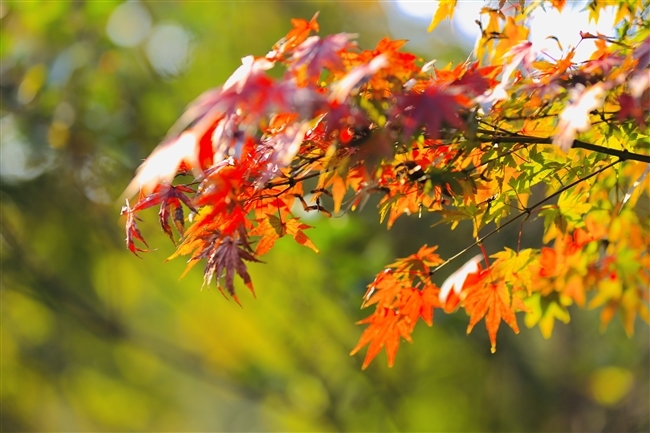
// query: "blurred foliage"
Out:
[94,339]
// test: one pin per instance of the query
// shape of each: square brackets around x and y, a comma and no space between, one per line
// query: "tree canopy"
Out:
[510,136]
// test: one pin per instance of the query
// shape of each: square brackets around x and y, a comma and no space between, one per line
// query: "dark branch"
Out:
[525,212]
[624,155]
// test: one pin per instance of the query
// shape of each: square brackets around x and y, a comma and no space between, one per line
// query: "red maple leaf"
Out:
[630,107]
[315,54]
[225,257]
[170,199]
[475,81]
[132,231]
[435,106]
[170,205]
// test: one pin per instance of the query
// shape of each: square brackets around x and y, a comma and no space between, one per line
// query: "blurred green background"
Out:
[95,339]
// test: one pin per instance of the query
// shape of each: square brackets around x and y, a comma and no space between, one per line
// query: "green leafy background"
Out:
[95,339]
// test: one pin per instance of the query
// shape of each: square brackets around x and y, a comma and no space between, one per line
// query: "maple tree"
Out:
[509,137]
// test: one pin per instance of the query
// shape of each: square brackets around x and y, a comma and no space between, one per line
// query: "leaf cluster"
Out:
[513,136]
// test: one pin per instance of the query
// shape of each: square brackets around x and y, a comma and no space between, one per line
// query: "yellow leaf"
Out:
[608,289]
[544,315]
[622,13]
[629,305]
[594,10]
[554,311]
[573,204]
[514,32]
[445,10]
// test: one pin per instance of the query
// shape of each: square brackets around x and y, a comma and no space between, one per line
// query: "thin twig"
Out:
[526,211]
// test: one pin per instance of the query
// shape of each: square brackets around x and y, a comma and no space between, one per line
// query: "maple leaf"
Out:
[630,107]
[514,33]
[453,140]
[228,137]
[249,80]
[285,144]
[642,54]
[314,54]
[419,262]
[400,64]
[341,89]
[445,10]
[170,206]
[415,304]
[489,300]
[384,289]
[383,330]
[195,110]
[226,256]
[516,267]
[522,53]
[248,88]
[473,81]
[544,312]
[398,203]
[435,106]
[549,261]
[170,199]
[132,231]
[388,324]
[273,228]
[399,304]
[250,70]
[301,30]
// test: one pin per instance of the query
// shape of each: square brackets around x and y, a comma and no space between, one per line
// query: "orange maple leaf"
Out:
[384,289]
[383,331]
[300,31]
[484,298]
[419,262]
[415,304]
[273,228]
[387,325]
[400,303]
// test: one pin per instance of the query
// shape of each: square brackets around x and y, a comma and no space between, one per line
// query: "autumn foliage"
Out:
[512,136]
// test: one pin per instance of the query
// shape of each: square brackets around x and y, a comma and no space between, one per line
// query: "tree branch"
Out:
[525,212]
[623,155]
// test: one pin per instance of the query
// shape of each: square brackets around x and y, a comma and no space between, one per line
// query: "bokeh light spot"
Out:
[610,384]
[168,49]
[129,24]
